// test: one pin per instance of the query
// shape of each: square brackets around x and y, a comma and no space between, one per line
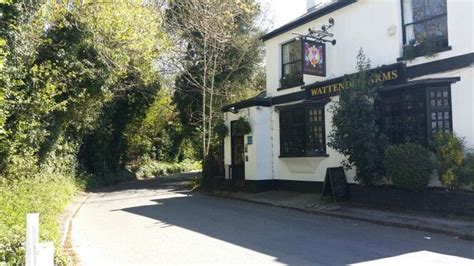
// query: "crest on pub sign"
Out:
[314,55]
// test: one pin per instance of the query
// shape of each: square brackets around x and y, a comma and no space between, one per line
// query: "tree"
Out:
[357,133]
[73,71]
[217,52]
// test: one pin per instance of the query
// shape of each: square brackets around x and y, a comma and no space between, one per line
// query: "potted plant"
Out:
[424,46]
[241,127]
[290,80]
[221,130]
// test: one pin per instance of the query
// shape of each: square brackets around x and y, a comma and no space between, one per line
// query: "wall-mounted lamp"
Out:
[233,110]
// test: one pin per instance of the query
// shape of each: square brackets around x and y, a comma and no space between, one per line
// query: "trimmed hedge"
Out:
[409,166]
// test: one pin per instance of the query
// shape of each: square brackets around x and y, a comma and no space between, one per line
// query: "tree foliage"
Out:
[82,95]
[218,54]
[357,133]
[75,76]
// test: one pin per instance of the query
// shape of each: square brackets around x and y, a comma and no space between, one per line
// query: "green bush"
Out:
[449,151]
[467,176]
[408,165]
[148,168]
[44,193]
[357,134]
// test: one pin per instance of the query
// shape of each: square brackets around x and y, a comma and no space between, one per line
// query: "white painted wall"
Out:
[259,163]
[362,24]
[365,24]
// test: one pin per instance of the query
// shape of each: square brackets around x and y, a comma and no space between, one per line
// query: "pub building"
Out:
[426,85]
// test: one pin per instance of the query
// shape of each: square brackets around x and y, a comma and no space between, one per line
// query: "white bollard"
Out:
[45,254]
[32,235]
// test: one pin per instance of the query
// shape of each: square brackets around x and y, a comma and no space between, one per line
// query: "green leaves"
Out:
[356,132]
[450,157]
[409,166]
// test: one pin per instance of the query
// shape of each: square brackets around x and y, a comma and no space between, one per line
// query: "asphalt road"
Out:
[160,222]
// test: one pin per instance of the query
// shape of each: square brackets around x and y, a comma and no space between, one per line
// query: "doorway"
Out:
[237,159]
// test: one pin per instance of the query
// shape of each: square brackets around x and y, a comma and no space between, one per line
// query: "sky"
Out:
[283,11]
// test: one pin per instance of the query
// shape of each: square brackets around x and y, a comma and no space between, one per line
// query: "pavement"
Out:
[462,227]
[161,221]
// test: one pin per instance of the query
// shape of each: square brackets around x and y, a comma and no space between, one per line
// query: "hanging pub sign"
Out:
[385,75]
[314,58]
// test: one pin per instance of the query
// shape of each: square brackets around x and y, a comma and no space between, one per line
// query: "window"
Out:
[423,18]
[292,64]
[440,109]
[302,131]
[414,115]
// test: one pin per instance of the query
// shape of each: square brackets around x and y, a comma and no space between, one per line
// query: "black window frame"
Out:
[442,44]
[401,115]
[299,81]
[313,128]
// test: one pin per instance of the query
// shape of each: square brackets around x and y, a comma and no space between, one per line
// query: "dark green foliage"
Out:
[357,133]
[426,46]
[409,166]
[208,170]
[221,130]
[241,127]
[409,52]
[467,174]
[212,166]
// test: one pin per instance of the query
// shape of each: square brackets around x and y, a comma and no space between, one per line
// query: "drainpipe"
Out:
[272,146]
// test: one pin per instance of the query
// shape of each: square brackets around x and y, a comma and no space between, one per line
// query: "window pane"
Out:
[434,7]
[410,33]
[292,52]
[426,18]
[298,116]
[292,131]
[419,31]
[315,128]
[418,9]
[440,111]
[437,27]
[407,11]
[293,69]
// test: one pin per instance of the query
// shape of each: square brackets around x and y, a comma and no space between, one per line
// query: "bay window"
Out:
[415,115]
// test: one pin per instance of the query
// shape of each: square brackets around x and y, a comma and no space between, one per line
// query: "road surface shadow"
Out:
[293,237]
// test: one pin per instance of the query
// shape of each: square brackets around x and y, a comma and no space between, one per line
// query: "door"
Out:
[238,160]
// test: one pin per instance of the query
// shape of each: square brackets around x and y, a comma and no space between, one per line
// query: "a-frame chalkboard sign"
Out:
[335,184]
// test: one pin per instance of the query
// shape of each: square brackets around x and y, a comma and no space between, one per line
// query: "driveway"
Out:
[160,222]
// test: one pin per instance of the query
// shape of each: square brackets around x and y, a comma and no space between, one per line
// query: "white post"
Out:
[32,235]
[45,254]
